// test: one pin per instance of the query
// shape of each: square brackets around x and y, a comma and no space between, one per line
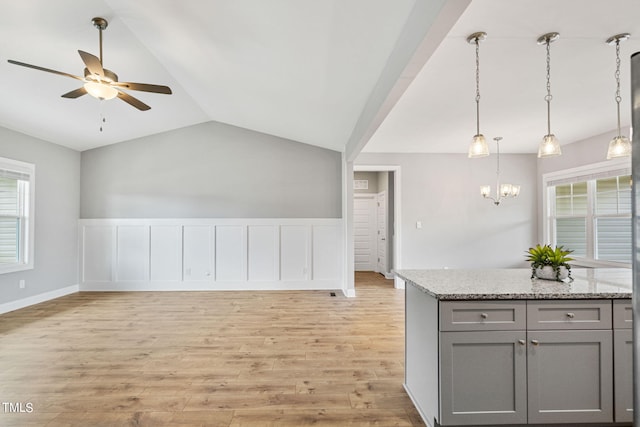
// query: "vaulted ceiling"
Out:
[386,75]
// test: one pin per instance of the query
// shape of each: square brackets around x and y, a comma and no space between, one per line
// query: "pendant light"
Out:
[503,191]
[549,146]
[620,146]
[479,146]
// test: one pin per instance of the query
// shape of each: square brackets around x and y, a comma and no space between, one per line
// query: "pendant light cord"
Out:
[618,97]
[477,86]
[548,97]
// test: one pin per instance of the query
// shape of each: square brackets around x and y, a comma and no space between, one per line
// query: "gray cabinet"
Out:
[483,377]
[570,361]
[516,362]
[570,376]
[623,361]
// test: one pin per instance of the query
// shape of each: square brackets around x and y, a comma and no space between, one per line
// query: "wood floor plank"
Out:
[280,358]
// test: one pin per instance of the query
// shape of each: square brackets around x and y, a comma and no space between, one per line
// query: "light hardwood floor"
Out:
[209,359]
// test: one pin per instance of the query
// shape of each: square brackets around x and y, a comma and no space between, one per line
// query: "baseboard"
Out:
[37,299]
[313,285]
[349,293]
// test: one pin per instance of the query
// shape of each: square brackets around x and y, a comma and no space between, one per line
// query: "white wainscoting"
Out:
[211,254]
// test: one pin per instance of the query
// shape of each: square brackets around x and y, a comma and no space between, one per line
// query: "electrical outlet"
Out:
[22,284]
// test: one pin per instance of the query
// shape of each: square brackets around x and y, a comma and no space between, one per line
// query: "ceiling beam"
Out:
[428,24]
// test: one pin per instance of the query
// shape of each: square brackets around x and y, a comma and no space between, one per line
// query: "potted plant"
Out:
[549,263]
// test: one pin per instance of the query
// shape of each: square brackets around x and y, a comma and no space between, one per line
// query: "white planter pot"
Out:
[547,273]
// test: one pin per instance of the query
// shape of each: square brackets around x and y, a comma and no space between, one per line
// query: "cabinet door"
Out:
[570,376]
[483,378]
[623,369]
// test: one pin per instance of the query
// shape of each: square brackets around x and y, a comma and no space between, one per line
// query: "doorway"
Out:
[375,232]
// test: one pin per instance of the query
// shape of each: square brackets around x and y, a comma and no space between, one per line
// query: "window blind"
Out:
[9,220]
[15,175]
[589,176]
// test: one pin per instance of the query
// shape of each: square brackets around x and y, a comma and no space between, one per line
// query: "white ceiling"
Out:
[312,71]
[437,112]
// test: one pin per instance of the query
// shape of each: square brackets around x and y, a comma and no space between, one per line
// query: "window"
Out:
[16,218]
[589,211]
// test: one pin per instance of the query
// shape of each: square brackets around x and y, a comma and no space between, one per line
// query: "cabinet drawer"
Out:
[569,314]
[482,315]
[622,314]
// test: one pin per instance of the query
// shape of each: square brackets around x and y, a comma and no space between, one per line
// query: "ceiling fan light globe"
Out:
[549,146]
[478,147]
[100,90]
[620,146]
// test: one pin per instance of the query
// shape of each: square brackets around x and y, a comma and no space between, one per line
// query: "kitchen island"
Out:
[491,347]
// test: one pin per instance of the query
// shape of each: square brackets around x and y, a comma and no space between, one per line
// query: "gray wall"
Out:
[211,170]
[460,228]
[57,202]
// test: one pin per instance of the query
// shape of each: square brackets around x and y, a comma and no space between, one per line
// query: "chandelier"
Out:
[503,191]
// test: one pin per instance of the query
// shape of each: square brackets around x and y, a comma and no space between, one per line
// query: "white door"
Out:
[364,230]
[381,266]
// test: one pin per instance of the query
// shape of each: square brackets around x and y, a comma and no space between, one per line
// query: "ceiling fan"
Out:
[100,82]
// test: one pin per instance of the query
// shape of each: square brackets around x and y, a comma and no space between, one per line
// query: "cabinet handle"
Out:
[571,315]
[522,342]
[535,342]
[484,315]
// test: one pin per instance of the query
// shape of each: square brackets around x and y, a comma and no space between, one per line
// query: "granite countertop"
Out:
[516,283]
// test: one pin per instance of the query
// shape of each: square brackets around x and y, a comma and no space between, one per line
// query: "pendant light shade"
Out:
[619,146]
[549,146]
[479,146]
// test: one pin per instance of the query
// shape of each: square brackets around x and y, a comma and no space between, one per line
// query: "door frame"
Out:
[397,213]
[385,197]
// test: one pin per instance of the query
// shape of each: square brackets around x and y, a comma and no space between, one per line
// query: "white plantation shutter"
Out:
[9,221]
[613,239]
[613,219]
[571,217]
[572,234]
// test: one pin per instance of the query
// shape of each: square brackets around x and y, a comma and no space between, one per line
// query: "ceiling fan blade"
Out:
[48,70]
[92,62]
[75,93]
[145,87]
[133,101]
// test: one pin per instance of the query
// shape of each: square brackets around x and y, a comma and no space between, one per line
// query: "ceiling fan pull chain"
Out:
[103,119]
